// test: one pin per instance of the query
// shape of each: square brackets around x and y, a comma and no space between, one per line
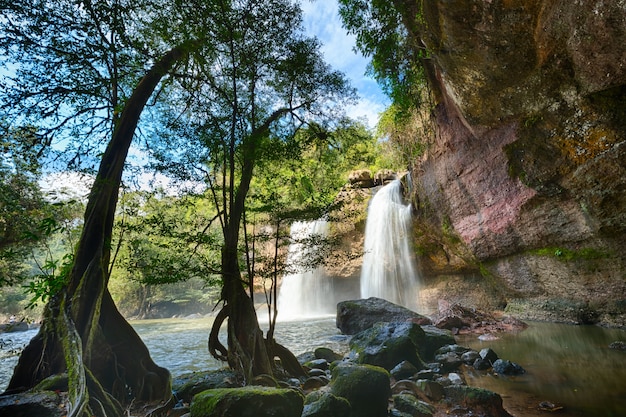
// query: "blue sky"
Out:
[321,19]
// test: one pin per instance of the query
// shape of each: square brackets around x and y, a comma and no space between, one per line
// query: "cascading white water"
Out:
[388,269]
[305,291]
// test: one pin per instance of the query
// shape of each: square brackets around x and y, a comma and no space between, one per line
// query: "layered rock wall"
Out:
[521,194]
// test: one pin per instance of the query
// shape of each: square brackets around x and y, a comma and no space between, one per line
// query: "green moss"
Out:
[568,254]
[250,401]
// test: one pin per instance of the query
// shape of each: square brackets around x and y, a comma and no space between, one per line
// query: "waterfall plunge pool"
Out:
[571,366]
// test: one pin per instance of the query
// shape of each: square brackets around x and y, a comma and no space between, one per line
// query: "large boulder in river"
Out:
[388,344]
[354,316]
[365,387]
[250,401]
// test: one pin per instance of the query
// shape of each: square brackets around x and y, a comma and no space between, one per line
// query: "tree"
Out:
[264,81]
[84,72]
[384,33]
[22,206]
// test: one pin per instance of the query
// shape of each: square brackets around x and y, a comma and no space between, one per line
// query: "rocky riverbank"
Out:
[402,366]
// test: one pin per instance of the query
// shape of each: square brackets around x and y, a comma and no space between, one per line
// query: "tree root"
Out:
[216,348]
[287,359]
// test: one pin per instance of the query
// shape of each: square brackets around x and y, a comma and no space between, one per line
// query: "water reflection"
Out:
[567,365]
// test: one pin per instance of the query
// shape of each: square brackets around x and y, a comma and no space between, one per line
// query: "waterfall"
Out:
[305,291]
[388,269]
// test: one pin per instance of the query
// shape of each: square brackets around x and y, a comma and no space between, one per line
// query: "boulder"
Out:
[249,401]
[188,385]
[477,400]
[488,354]
[328,354]
[365,387]
[361,178]
[410,405]
[388,344]
[432,340]
[325,404]
[432,389]
[403,370]
[504,367]
[32,404]
[354,316]
[383,176]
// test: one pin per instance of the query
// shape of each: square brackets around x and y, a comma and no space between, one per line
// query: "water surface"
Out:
[571,366]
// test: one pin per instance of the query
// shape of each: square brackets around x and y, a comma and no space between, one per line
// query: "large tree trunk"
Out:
[248,351]
[83,333]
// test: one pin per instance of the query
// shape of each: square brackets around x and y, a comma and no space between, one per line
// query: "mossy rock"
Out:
[250,401]
[388,344]
[325,404]
[32,404]
[410,405]
[477,400]
[433,338]
[188,385]
[365,387]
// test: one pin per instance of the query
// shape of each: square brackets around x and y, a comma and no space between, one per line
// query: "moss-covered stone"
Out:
[477,400]
[407,403]
[188,385]
[388,344]
[365,387]
[250,401]
[325,404]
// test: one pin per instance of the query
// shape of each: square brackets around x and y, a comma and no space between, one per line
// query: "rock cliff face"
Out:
[521,194]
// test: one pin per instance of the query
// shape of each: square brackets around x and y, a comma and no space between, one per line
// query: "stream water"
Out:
[570,366]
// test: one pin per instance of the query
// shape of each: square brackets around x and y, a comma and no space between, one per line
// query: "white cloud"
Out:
[321,19]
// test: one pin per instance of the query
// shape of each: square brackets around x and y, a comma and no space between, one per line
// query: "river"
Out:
[570,366]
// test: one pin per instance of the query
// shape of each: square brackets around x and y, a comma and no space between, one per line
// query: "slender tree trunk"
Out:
[83,333]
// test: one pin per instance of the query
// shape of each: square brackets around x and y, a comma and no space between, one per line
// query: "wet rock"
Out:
[412,406]
[354,316]
[425,374]
[433,390]
[433,339]
[455,379]
[388,344]
[488,354]
[325,404]
[449,361]
[403,370]
[470,357]
[365,387]
[504,367]
[317,372]
[328,354]
[248,401]
[314,383]
[188,385]
[477,400]
[619,345]
[317,364]
[32,404]
[481,364]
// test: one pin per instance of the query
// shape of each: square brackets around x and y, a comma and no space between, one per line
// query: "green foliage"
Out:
[396,53]
[564,254]
[166,239]
[50,281]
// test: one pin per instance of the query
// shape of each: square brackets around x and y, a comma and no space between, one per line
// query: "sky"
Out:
[321,19]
